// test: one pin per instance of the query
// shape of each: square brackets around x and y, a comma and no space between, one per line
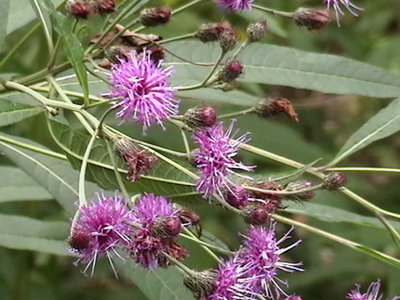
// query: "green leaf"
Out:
[4,10]
[159,284]
[75,51]
[21,14]
[385,123]
[42,12]
[11,112]
[378,255]
[55,175]
[164,178]
[18,232]
[278,65]
[334,215]
[15,185]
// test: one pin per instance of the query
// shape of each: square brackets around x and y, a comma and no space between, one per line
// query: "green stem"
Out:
[178,38]
[19,44]
[185,142]
[32,148]
[180,265]
[237,113]
[274,192]
[116,171]
[273,11]
[186,6]
[43,100]
[393,232]
[356,246]
[100,101]
[220,58]
[364,169]
[60,91]
[202,244]
[53,55]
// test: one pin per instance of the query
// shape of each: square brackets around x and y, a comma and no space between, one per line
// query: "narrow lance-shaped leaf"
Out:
[11,112]
[385,123]
[4,11]
[23,233]
[279,65]
[42,13]
[15,185]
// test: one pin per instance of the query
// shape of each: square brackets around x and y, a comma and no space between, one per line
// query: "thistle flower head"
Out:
[214,158]
[371,294]
[263,253]
[336,5]
[149,242]
[235,5]
[103,227]
[142,91]
[232,281]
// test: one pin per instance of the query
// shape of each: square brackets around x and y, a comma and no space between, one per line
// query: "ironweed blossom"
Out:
[371,294]
[262,253]
[336,5]
[214,158]
[157,224]
[235,5]
[101,229]
[141,89]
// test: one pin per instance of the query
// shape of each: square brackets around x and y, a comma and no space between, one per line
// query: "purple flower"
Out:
[371,294]
[214,158]
[101,228]
[235,5]
[157,224]
[262,252]
[233,281]
[142,91]
[336,5]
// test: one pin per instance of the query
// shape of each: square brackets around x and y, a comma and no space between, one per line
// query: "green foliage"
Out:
[11,112]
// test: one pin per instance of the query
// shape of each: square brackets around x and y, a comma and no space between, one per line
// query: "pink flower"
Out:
[371,294]
[142,91]
[235,5]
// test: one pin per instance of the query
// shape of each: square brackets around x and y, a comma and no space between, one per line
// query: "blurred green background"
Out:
[326,121]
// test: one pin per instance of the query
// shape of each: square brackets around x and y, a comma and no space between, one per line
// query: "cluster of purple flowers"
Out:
[146,231]
[254,269]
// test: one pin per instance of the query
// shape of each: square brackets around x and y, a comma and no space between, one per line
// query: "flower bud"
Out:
[256,30]
[298,186]
[200,116]
[137,160]
[188,216]
[157,53]
[116,52]
[211,32]
[255,214]
[231,71]
[273,106]
[167,227]
[155,16]
[80,9]
[201,284]
[79,240]
[105,6]
[227,39]
[237,196]
[313,19]
[267,185]
[334,181]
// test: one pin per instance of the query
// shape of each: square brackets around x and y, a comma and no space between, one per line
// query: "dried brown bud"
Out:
[200,116]
[155,16]
[255,214]
[212,32]
[272,106]
[227,39]
[137,160]
[334,181]
[79,240]
[105,6]
[298,186]
[188,216]
[80,9]
[256,30]
[201,284]
[313,19]
[157,53]
[172,226]
[117,52]
[175,250]
[231,71]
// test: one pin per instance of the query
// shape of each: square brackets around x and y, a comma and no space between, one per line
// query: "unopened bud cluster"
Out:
[81,9]
[200,116]
[312,19]
[155,16]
